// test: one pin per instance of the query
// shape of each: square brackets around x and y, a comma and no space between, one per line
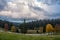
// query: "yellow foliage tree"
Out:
[13,29]
[49,28]
[41,29]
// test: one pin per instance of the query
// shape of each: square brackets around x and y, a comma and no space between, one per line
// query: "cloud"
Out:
[21,9]
[30,9]
[2,4]
[50,2]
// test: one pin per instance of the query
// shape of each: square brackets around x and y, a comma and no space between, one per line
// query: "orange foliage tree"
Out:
[6,27]
[49,28]
[57,28]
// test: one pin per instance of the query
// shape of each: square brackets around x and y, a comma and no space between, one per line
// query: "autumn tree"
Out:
[49,28]
[13,29]
[57,28]
[41,29]
[6,27]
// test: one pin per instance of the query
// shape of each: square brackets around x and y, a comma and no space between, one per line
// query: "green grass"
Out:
[13,36]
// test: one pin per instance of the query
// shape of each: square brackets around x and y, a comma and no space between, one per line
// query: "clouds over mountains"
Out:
[30,9]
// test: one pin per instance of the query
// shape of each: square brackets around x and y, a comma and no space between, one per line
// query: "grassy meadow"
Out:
[13,36]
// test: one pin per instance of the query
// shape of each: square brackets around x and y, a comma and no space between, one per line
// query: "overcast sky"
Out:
[29,9]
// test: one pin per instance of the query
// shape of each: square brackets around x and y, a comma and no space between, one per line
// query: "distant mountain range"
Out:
[5,18]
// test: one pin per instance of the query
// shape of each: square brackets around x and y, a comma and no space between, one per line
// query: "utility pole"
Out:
[24,21]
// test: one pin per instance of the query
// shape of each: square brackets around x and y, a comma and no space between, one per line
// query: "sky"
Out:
[16,10]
